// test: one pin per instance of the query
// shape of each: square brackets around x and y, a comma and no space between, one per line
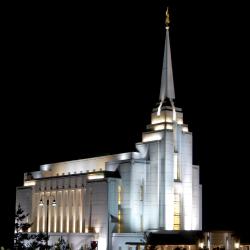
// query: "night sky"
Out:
[81,81]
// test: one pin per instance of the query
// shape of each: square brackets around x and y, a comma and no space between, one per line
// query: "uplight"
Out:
[95,176]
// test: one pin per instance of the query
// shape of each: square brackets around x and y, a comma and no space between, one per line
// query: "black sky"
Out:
[80,81]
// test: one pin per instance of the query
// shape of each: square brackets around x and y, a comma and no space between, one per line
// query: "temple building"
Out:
[115,199]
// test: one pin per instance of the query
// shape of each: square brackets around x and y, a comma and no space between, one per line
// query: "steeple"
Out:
[167,81]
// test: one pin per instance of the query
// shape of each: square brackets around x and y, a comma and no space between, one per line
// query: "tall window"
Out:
[141,192]
[176,167]
[177,211]
[119,209]
[141,205]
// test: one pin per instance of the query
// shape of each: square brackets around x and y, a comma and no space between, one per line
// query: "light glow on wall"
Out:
[95,176]
[185,129]
[80,211]
[159,127]
[170,126]
[119,221]
[208,241]
[38,219]
[74,211]
[174,114]
[124,156]
[237,245]
[45,167]
[157,119]
[55,218]
[177,211]
[67,225]
[97,229]
[179,121]
[67,212]
[119,209]
[119,194]
[43,219]
[29,183]
[176,176]
[49,219]
[157,136]
[102,243]
[201,244]
[61,211]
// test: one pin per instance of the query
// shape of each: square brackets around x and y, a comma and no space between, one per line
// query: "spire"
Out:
[167,81]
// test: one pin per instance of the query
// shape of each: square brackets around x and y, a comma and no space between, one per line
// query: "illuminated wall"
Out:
[67,216]
[112,198]
[170,154]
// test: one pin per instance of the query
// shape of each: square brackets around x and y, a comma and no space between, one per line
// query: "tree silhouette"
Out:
[21,228]
[23,239]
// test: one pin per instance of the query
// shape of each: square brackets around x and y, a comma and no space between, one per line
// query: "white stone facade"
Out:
[114,199]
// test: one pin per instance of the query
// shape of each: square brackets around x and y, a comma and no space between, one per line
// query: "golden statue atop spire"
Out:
[167,22]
